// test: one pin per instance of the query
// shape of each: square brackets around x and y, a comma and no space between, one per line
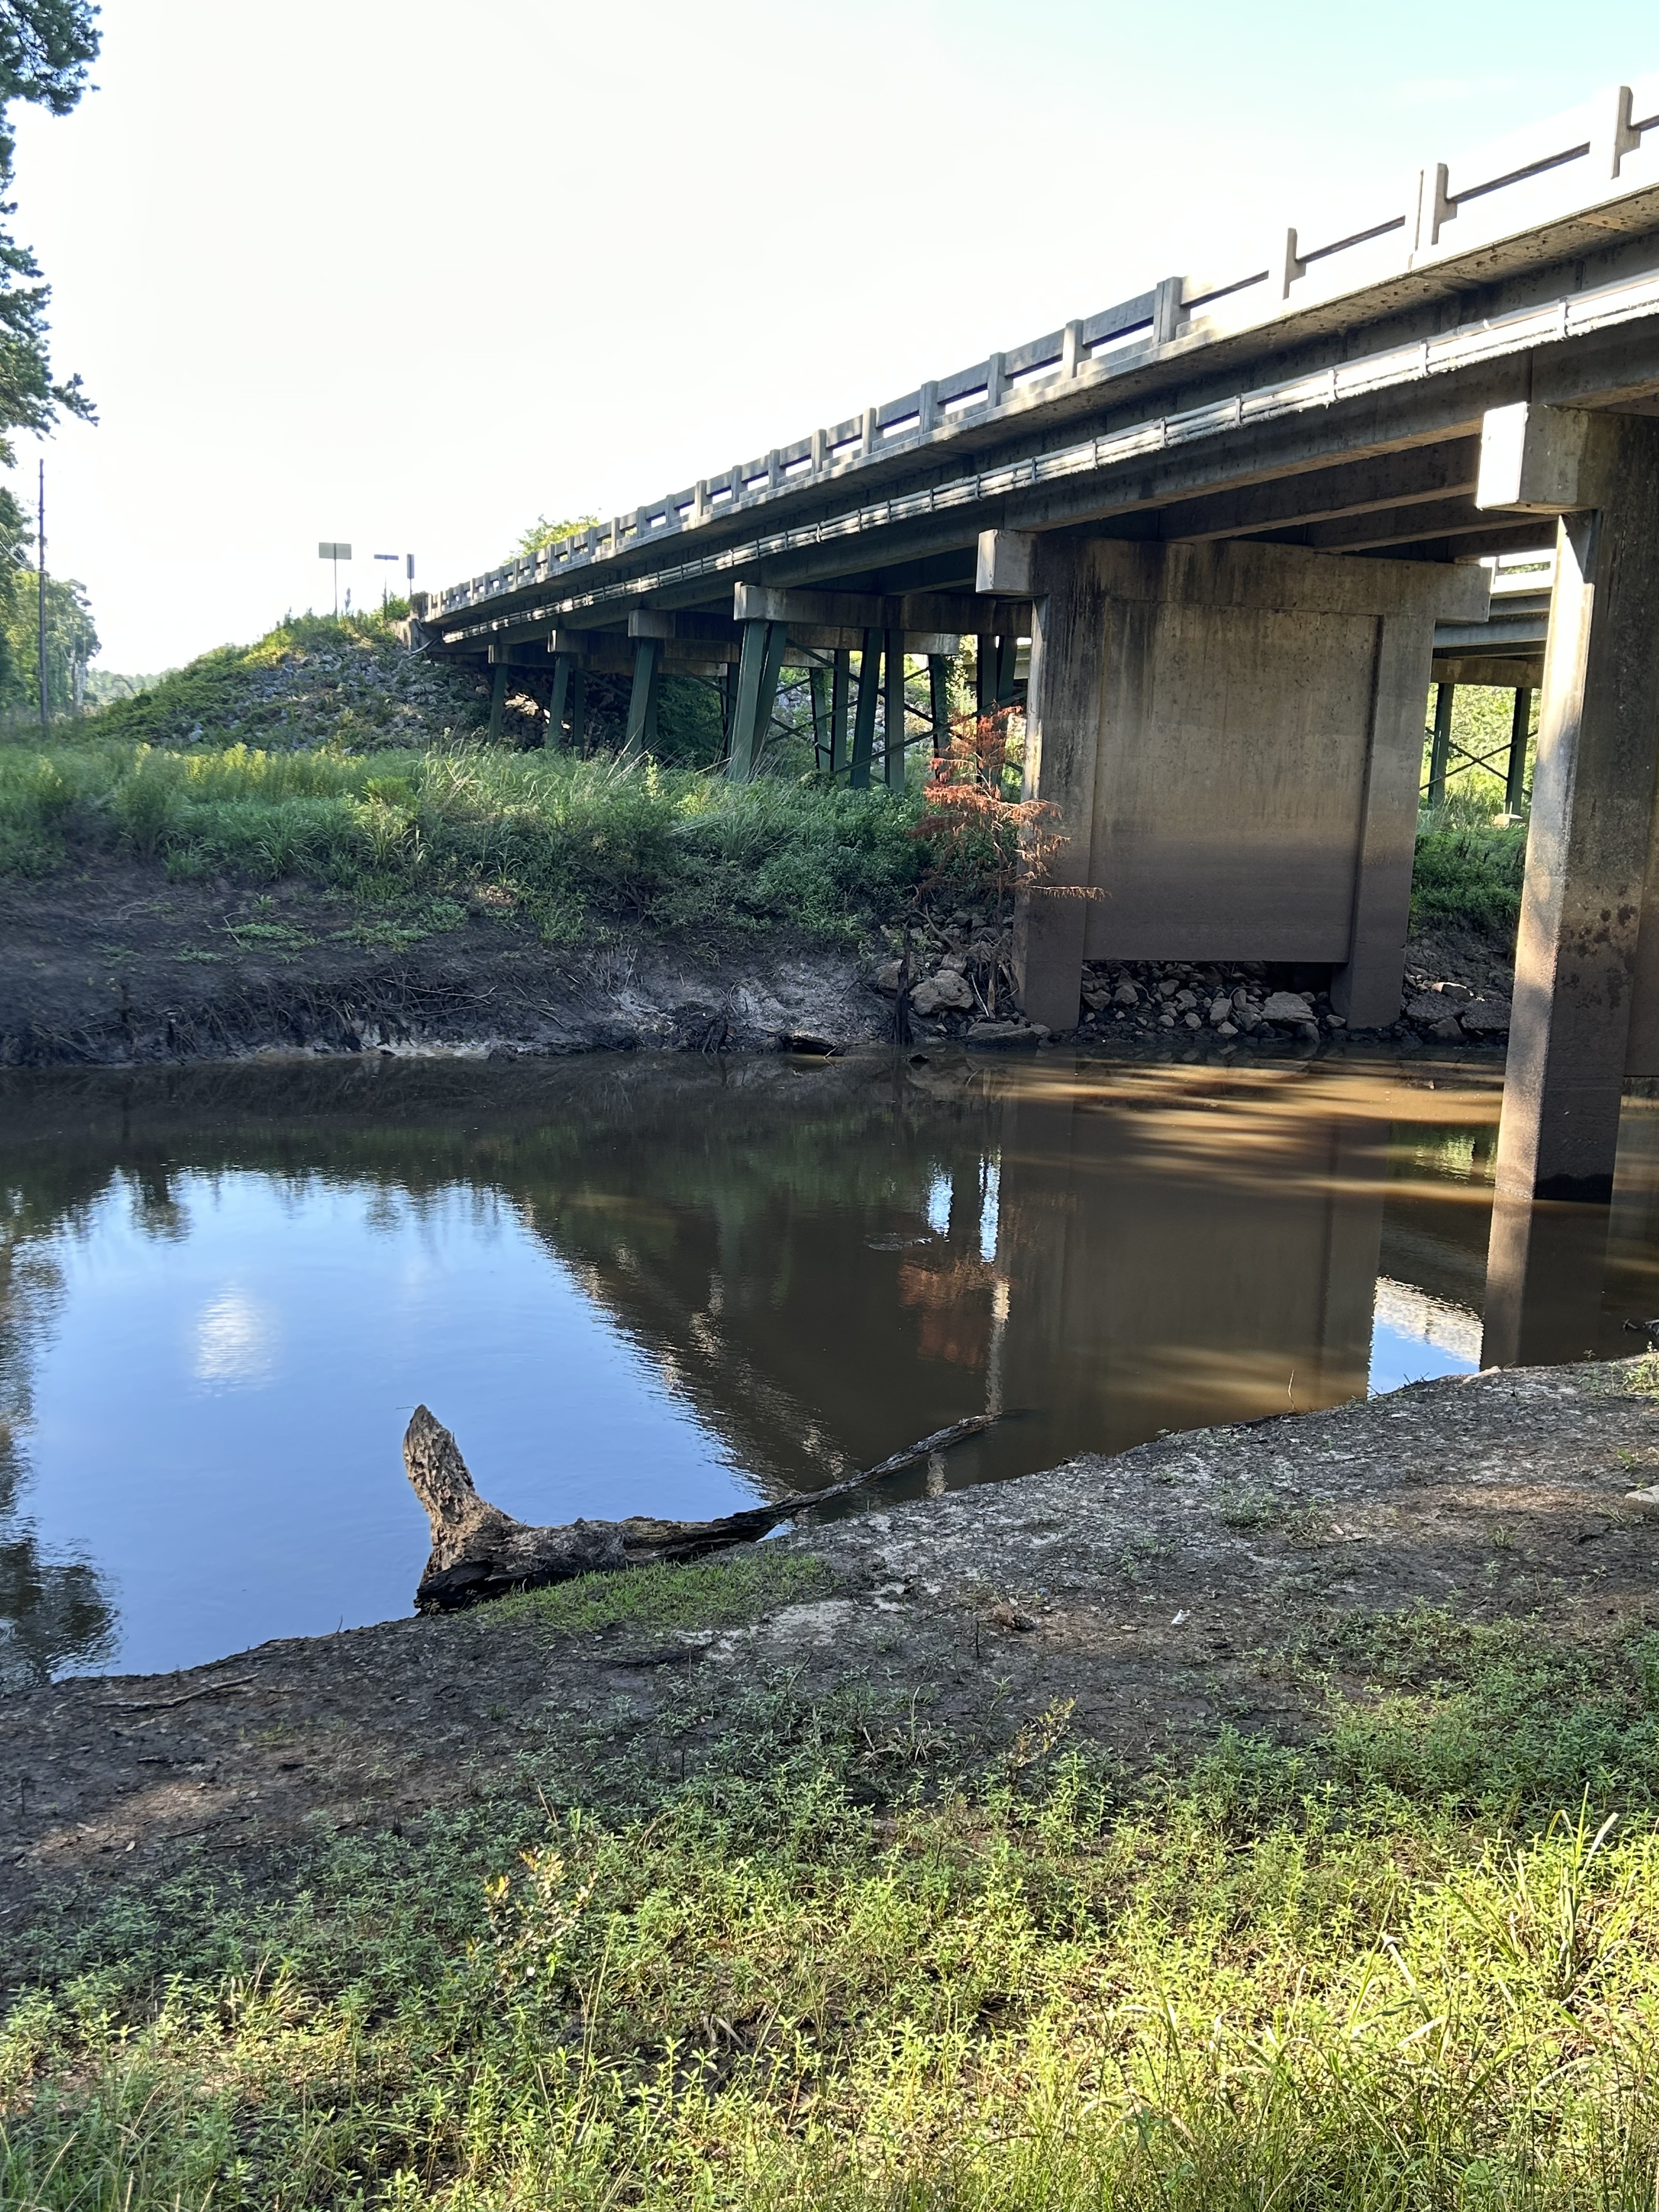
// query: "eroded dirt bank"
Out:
[1227,1575]
[116,966]
[120,967]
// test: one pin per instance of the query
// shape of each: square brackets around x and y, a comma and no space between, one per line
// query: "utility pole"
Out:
[41,549]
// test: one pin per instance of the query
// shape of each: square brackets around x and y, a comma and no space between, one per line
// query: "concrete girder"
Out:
[1499,673]
[1407,479]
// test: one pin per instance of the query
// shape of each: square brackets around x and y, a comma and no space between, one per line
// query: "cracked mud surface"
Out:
[1193,1583]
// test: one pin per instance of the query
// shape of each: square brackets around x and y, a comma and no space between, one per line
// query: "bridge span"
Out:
[1230,515]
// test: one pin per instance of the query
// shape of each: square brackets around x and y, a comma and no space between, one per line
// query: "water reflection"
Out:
[635,1285]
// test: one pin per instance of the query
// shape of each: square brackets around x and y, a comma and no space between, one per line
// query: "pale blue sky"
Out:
[407,274]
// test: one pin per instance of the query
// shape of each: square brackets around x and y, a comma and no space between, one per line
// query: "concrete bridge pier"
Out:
[1586,1007]
[1230,737]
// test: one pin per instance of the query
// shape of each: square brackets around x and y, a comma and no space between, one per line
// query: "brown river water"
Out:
[646,1285]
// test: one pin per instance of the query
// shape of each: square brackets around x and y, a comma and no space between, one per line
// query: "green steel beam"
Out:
[1440,751]
[938,699]
[556,705]
[840,693]
[893,715]
[642,734]
[864,722]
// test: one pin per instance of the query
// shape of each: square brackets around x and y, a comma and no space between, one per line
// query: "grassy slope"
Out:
[1411,1967]
[325,754]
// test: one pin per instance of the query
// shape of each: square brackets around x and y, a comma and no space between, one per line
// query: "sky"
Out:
[408,276]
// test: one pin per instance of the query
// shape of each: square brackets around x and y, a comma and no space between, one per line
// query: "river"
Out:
[635,1284]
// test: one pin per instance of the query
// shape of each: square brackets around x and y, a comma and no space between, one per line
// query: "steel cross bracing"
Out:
[1564,200]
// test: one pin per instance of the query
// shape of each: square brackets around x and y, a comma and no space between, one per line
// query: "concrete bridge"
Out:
[1241,519]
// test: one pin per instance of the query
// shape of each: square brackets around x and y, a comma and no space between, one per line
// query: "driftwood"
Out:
[478,1552]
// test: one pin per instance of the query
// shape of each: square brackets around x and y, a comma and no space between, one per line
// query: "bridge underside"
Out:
[1243,541]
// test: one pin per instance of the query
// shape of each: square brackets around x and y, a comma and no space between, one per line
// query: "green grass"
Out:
[717,1592]
[570,843]
[1471,856]
[1286,1977]
[1469,867]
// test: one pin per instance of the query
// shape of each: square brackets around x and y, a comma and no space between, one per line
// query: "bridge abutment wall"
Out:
[1229,736]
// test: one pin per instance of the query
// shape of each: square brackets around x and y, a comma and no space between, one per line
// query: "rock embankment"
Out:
[961,984]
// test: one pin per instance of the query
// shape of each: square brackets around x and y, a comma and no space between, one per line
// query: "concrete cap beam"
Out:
[1545,460]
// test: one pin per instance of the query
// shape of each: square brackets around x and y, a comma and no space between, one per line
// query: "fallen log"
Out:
[478,1552]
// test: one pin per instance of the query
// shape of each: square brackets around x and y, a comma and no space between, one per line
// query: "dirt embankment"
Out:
[1141,1602]
[117,966]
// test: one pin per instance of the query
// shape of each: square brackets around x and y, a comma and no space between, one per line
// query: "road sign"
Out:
[328,550]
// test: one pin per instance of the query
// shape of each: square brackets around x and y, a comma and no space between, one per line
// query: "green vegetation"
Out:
[1471,855]
[718,1593]
[572,844]
[1469,866]
[47,47]
[543,533]
[1386,1970]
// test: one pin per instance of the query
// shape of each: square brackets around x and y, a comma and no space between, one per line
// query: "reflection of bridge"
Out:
[1229,512]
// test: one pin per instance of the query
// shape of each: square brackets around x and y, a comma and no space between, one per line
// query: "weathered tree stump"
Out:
[478,1552]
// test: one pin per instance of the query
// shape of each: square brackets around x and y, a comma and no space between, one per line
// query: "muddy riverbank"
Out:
[119,967]
[1222,1579]
[116,966]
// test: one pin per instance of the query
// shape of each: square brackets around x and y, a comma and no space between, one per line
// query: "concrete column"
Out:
[497,700]
[1366,988]
[556,704]
[893,712]
[1063,709]
[1589,846]
[1229,738]
[642,699]
[578,710]
[757,684]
